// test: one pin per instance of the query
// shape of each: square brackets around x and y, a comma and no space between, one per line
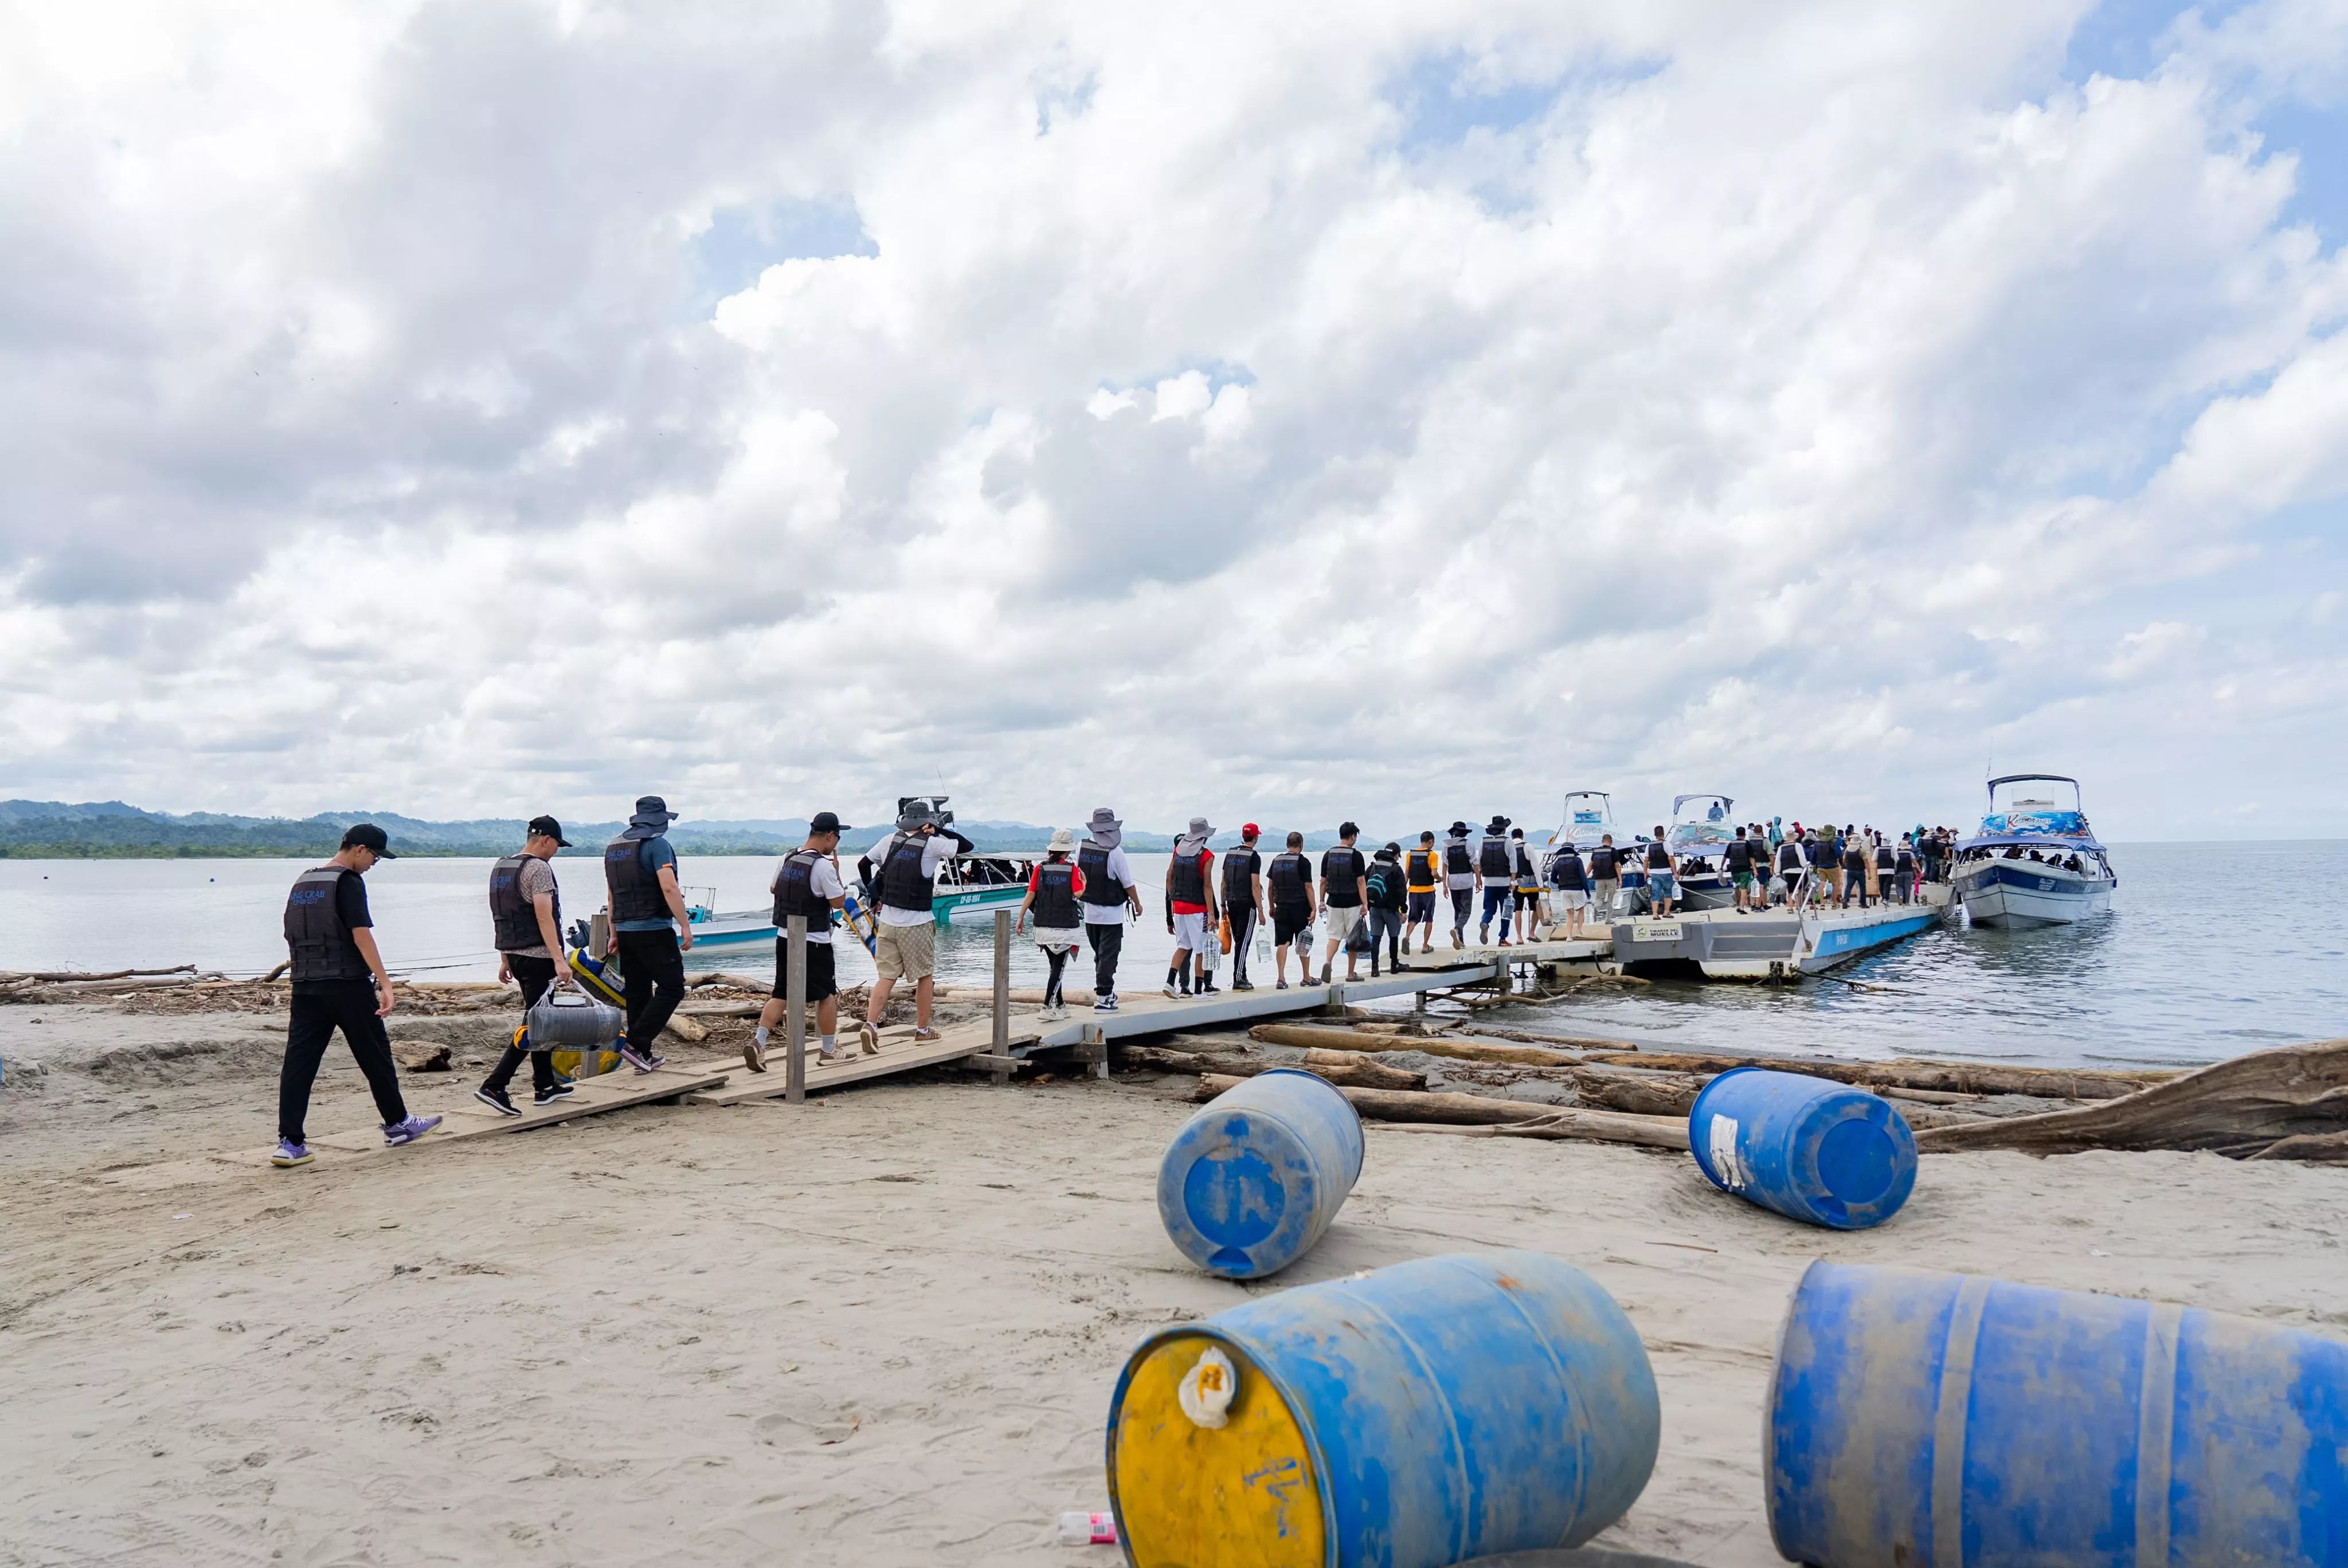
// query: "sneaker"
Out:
[821,1055]
[642,1062]
[290,1154]
[754,1055]
[497,1100]
[549,1096]
[1171,992]
[868,1037]
[1243,985]
[1106,1003]
[410,1131]
[1208,988]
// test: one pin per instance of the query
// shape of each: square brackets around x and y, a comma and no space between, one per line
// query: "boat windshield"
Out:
[1700,825]
[1588,816]
[2033,805]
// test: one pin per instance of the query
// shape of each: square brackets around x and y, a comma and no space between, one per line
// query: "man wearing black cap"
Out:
[339,982]
[526,910]
[649,926]
[806,883]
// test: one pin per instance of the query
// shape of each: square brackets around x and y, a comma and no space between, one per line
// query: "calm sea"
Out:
[2215,949]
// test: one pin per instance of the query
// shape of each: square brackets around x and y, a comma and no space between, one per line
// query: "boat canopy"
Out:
[2033,822]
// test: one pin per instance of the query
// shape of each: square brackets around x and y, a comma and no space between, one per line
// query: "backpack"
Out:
[1385,885]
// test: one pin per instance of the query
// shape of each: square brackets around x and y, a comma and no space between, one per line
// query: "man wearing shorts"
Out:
[905,947]
[1421,868]
[1739,858]
[808,884]
[1345,895]
[1190,907]
[1569,888]
[1289,879]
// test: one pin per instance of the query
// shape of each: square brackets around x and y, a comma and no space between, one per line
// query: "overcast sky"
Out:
[1402,410]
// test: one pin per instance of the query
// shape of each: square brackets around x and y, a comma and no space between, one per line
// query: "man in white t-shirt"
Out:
[806,884]
[905,869]
[1110,900]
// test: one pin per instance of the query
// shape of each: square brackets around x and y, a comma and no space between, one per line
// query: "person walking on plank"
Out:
[807,884]
[1243,905]
[906,867]
[1289,879]
[1344,900]
[1110,900]
[1459,881]
[526,915]
[649,926]
[339,982]
[1055,891]
[1190,904]
[1421,871]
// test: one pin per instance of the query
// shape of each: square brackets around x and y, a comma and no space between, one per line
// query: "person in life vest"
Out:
[649,926]
[1459,881]
[339,982]
[1662,886]
[1569,888]
[1388,894]
[1056,892]
[1903,869]
[807,884]
[526,916]
[1110,900]
[1422,874]
[1190,907]
[1528,886]
[1737,859]
[1605,877]
[1243,905]
[1496,873]
[1344,899]
[1289,879]
[905,864]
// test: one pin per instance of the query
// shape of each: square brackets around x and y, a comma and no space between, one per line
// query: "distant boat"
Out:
[2034,862]
[1588,816]
[1699,846]
[973,884]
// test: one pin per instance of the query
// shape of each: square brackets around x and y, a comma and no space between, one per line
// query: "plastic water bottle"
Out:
[1088,1529]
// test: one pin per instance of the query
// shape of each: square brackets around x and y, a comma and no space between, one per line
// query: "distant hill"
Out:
[89,830]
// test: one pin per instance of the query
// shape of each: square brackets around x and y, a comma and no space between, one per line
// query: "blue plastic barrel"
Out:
[1950,1420]
[1251,1182]
[1809,1148]
[1428,1413]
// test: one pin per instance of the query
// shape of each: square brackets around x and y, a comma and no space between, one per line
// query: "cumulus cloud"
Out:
[1271,413]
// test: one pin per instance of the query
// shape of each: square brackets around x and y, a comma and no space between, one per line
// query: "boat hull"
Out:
[2019,894]
[950,902]
[1772,944]
[1706,890]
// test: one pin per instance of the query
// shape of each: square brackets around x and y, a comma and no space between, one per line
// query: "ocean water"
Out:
[2214,950]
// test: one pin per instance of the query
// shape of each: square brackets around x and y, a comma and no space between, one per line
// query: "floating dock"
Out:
[1775,944]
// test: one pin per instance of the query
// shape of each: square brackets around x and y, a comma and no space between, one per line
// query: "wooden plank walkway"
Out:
[899,1052]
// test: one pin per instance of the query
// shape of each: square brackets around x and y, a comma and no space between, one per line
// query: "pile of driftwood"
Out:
[2285,1104]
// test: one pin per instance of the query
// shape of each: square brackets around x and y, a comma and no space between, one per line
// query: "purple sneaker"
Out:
[290,1154]
[641,1060]
[410,1131]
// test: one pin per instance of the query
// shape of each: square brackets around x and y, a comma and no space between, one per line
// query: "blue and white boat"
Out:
[1699,844]
[2034,862]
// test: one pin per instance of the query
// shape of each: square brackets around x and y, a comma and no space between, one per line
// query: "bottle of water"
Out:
[1087,1530]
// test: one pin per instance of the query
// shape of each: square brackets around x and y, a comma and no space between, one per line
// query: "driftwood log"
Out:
[420,1055]
[2291,1103]
[1554,1041]
[685,1030]
[1947,1077]
[1637,1094]
[1477,1111]
[1347,1071]
[1312,1036]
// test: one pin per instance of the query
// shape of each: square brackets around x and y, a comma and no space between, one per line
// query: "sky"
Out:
[1400,411]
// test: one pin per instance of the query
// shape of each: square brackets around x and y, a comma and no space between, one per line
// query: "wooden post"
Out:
[1001,1046]
[795,1012]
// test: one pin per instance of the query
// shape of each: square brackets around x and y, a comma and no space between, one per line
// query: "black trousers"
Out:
[534,975]
[1107,941]
[1386,924]
[318,1012]
[655,968]
[1057,958]
[1242,917]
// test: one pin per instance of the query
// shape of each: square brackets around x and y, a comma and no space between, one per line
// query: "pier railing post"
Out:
[795,1012]
[1002,1045]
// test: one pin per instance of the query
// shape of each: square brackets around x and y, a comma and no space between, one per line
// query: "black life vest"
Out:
[1565,868]
[1789,855]
[316,940]
[1883,861]
[1456,860]
[1290,878]
[1238,877]
[1343,868]
[1055,900]
[795,891]
[1658,857]
[1420,865]
[1101,889]
[1184,883]
[1492,859]
[515,918]
[635,892]
[903,885]
[1602,863]
[1738,856]
[1527,874]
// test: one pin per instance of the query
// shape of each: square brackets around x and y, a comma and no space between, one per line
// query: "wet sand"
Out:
[879,1329]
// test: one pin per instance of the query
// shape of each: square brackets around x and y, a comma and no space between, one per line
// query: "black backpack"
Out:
[1385,885]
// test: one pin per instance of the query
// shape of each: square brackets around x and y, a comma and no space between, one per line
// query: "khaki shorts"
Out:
[906,952]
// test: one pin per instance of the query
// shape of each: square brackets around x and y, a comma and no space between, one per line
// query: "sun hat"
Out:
[1062,840]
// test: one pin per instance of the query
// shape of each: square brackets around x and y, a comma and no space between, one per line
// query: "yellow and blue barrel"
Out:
[1251,1182]
[1809,1148]
[1428,1413]
[1950,1420]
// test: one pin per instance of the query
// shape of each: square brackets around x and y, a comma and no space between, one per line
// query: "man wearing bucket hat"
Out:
[526,915]
[1458,880]
[649,926]
[339,982]
[1110,900]
[1190,904]
[1495,873]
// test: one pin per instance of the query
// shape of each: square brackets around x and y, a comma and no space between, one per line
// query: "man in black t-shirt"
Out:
[1243,903]
[1344,875]
[1288,880]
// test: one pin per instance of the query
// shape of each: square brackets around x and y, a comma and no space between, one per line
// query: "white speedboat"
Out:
[1588,816]
[2034,862]
[1699,845]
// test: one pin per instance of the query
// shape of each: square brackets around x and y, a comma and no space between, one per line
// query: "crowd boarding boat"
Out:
[1699,846]
[2034,862]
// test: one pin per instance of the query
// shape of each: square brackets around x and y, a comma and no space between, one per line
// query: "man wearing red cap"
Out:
[1242,901]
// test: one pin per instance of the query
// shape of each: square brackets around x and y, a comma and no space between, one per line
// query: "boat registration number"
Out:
[1655,931]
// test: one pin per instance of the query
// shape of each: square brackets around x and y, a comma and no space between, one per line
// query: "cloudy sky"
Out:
[1404,411]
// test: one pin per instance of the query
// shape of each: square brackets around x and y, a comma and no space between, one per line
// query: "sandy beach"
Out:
[879,1329]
